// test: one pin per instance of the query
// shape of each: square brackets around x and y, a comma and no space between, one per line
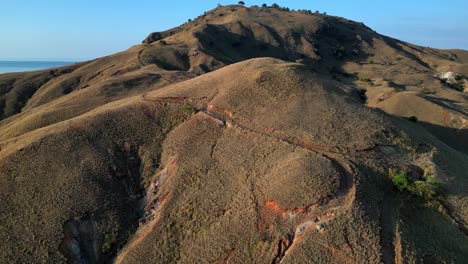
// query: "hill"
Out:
[194,147]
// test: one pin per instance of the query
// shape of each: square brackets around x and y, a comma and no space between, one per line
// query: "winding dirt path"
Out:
[307,218]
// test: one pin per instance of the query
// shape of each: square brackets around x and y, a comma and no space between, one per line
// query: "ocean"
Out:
[20,66]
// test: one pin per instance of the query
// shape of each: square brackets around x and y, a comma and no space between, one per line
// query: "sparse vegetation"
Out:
[241,3]
[426,91]
[340,52]
[367,80]
[188,109]
[457,86]
[109,241]
[277,146]
[458,77]
[413,119]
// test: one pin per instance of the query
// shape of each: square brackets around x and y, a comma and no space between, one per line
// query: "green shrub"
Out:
[241,3]
[458,77]
[162,42]
[340,52]
[367,80]
[428,189]
[401,180]
[264,5]
[427,91]
[413,119]
[188,109]
[457,86]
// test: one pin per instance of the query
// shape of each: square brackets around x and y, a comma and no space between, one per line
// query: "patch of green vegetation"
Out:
[367,80]
[457,86]
[413,119]
[458,77]
[428,189]
[162,42]
[340,52]
[426,91]
[109,241]
[188,109]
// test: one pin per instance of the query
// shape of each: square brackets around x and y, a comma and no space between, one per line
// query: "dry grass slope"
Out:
[189,148]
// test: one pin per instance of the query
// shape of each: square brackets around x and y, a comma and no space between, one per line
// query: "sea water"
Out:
[21,66]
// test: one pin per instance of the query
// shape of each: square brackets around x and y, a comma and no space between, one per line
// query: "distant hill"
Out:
[246,135]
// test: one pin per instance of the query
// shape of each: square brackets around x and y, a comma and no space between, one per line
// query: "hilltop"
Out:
[244,135]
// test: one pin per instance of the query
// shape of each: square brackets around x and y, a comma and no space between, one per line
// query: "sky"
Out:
[85,29]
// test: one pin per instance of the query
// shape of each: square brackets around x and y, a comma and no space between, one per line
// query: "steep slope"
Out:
[281,167]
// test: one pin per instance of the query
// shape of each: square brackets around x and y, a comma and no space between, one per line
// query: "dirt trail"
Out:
[307,218]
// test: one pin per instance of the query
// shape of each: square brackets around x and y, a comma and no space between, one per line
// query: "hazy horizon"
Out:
[84,30]
[22,66]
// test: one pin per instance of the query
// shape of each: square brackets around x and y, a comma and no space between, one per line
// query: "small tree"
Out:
[275,6]
[264,5]
[241,3]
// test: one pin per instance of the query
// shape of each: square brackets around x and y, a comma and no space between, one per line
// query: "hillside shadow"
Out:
[228,47]
[395,44]
[332,46]
[457,139]
[454,138]
[446,103]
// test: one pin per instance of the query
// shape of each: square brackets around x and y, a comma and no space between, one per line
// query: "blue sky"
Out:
[86,29]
